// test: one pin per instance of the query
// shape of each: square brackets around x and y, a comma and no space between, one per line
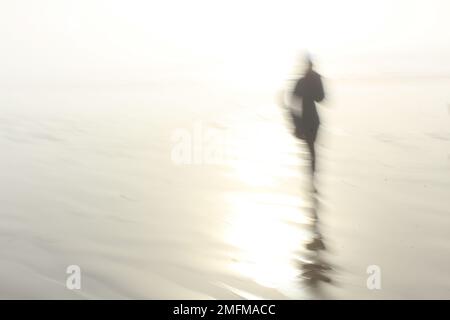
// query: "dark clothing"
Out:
[310,89]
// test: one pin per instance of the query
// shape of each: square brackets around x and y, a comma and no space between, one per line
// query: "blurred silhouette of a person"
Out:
[314,268]
[307,91]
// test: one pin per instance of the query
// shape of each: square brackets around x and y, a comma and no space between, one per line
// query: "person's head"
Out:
[308,62]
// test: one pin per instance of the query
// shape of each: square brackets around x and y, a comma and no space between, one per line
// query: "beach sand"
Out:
[89,178]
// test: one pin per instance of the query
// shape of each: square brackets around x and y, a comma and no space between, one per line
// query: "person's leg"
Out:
[310,138]
[312,153]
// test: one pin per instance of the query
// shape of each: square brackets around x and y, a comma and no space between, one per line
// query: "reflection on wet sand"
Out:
[315,268]
[278,241]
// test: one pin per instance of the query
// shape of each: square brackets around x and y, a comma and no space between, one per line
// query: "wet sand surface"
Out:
[89,177]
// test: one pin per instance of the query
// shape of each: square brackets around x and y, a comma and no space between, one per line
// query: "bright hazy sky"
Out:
[130,38]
